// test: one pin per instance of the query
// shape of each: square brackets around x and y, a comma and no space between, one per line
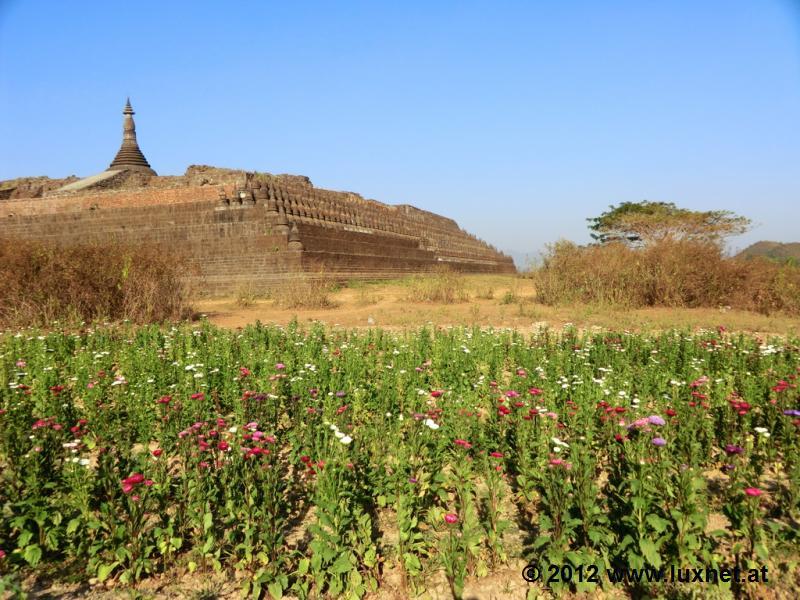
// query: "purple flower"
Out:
[731,449]
[656,420]
[659,441]
[341,394]
[792,413]
[412,480]
[726,468]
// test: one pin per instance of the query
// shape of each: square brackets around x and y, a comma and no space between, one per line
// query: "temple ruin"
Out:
[239,228]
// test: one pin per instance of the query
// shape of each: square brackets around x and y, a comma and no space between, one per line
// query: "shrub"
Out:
[304,291]
[443,286]
[41,282]
[668,273]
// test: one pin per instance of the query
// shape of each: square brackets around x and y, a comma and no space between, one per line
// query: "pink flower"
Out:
[496,454]
[223,446]
[451,518]
[2,554]
[462,443]
[129,483]
[753,491]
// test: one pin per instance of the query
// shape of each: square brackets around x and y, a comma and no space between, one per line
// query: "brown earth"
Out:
[492,300]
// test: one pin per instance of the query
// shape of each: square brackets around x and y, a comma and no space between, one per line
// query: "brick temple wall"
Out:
[238,236]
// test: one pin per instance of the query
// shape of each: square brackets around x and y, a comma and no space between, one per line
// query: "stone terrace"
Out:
[242,229]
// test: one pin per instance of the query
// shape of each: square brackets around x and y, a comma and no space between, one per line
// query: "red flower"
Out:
[198,396]
[436,393]
[496,454]
[157,452]
[671,412]
[462,443]
[129,483]
[164,400]
[244,371]
[223,446]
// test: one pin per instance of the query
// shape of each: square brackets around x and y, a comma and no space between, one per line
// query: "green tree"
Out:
[645,222]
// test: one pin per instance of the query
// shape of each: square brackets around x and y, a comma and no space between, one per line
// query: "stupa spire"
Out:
[129,155]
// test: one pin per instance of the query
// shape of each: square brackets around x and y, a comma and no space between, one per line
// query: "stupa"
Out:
[130,156]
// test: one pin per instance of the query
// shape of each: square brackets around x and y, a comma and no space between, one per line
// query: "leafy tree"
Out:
[645,222]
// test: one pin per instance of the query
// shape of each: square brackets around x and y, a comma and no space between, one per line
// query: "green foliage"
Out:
[278,456]
[646,222]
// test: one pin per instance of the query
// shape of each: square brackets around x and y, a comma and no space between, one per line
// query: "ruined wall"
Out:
[238,234]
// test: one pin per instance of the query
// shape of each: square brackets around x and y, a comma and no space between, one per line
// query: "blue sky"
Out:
[517,119]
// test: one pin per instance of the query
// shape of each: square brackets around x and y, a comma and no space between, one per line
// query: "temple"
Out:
[130,155]
[239,229]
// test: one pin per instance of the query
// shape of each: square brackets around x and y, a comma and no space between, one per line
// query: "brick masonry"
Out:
[256,230]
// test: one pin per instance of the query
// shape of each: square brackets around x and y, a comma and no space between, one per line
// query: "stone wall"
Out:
[239,234]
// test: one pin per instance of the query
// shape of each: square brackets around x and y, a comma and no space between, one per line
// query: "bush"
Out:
[443,286]
[668,273]
[304,292]
[41,283]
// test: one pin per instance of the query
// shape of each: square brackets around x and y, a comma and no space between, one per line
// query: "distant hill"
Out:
[773,250]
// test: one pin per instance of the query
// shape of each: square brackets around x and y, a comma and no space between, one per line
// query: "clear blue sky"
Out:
[518,119]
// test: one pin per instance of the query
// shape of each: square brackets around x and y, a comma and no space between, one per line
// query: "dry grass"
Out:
[669,274]
[393,310]
[304,292]
[443,286]
[41,283]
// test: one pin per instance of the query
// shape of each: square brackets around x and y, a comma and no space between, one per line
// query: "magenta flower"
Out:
[732,449]
[451,518]
[753,491]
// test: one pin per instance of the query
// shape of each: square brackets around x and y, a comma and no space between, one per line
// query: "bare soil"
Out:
[493,301]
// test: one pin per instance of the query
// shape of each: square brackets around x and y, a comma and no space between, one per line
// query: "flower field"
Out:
[314,463]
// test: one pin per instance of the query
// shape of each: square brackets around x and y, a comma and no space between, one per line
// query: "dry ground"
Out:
[492,300]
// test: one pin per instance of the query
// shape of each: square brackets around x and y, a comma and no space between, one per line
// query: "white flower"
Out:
[338,434]
[431,424]
[761,430]
[346,439]
[388,414]
[84,462]
[233,430]
[558,442]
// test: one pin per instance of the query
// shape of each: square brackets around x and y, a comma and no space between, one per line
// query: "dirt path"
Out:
[492,300]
